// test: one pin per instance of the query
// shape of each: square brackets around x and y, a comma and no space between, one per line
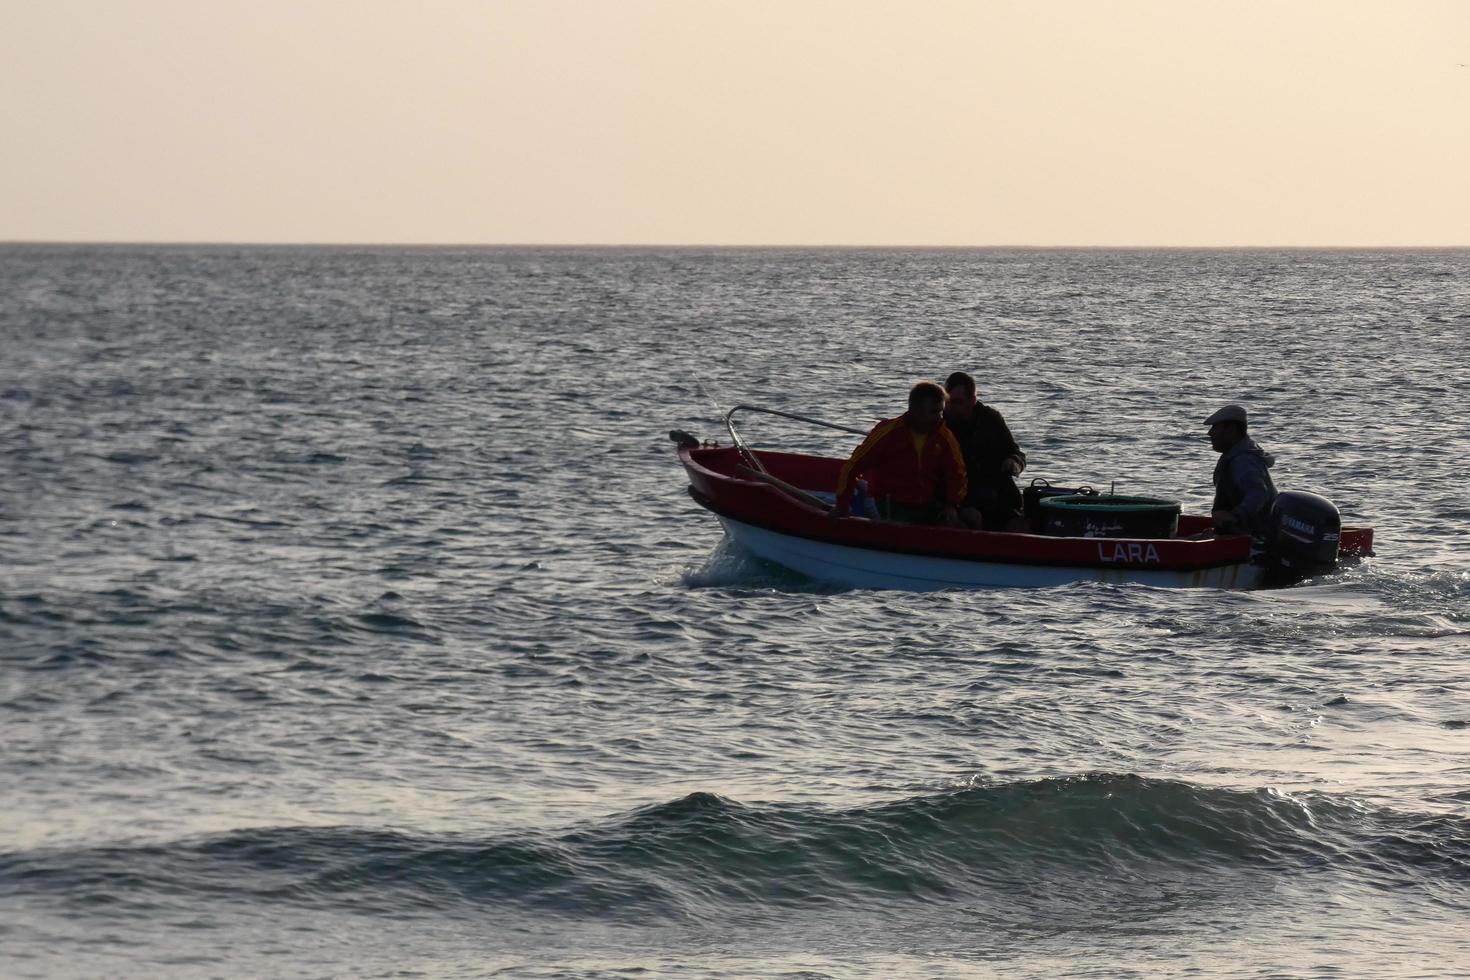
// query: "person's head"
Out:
[1227,427]
[961,389]
[926,407]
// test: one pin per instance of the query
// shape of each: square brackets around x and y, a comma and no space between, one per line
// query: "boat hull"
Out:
[863,568]
[775,515]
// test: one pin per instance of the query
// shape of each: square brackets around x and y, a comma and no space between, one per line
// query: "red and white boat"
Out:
[770,504]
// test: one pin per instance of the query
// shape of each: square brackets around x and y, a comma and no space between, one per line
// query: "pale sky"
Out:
[846,122]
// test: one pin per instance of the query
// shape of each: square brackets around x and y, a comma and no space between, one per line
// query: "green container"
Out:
[1109,516]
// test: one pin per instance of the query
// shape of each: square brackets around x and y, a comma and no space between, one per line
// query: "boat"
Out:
[775,506]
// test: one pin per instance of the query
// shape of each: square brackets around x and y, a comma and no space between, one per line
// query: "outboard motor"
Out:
[1302,535]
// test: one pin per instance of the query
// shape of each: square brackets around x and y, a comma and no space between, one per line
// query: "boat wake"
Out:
[731,567]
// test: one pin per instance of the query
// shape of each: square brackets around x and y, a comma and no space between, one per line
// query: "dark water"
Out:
[354,622]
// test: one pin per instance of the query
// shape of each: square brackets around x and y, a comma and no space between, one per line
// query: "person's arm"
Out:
[1015,460]
[956,480]
[952,463]
[853,466]
[1250,476]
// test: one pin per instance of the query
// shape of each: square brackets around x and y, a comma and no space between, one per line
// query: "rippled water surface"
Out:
[354,621]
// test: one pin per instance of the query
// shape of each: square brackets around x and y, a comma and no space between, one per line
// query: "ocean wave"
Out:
[703,856]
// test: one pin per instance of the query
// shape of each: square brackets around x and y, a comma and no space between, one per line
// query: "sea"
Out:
[355,621]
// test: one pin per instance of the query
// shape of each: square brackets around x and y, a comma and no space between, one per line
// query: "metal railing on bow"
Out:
[745,452]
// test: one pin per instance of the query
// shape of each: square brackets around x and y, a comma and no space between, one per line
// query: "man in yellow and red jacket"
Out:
[914,466]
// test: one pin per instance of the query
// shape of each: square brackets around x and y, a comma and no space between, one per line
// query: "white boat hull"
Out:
[865,568]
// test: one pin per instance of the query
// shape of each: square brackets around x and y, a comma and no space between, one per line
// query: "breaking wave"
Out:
[703,856]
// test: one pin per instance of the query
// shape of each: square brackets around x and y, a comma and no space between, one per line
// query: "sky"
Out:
[757,122]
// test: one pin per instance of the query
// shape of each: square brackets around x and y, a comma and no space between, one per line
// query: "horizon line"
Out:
[225,243]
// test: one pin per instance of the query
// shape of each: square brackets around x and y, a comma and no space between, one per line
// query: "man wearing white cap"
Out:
[1243,488]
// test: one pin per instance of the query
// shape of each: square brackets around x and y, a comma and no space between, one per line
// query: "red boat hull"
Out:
[717,484]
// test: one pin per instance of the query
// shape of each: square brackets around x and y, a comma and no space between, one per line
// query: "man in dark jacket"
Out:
[992,458]
[1243,488]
